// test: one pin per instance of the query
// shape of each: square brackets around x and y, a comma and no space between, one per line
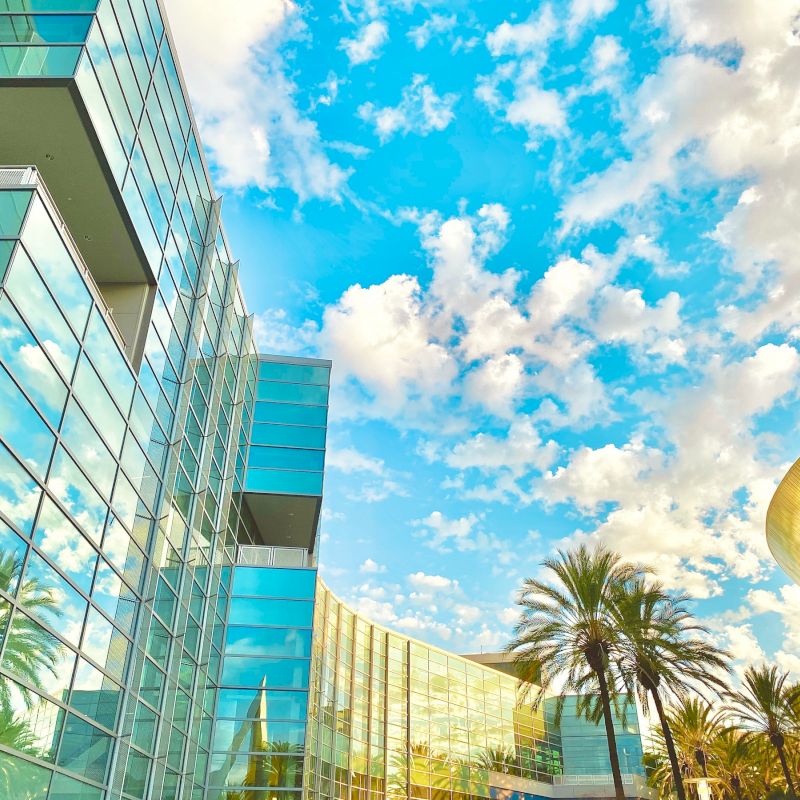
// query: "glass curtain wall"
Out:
[391,717]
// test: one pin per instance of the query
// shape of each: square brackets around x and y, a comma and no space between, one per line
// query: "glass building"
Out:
[163,632]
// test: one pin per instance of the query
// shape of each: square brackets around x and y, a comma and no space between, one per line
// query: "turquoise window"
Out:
[84,749]
[289,673]
[6,248]
[291,435]
[293,373]
[278,481]
[291,414]
[64,788]
[24,61]
[44,28]
[273,583]
[268,642]
[13,205]
[285,458]
[250,702]
[292,393]
[50,5]
[261,611]
[28,780]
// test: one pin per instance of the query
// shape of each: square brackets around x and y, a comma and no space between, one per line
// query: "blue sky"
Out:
[552,251]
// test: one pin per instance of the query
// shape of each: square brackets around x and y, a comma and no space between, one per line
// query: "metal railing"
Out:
[264,556]
[592,780]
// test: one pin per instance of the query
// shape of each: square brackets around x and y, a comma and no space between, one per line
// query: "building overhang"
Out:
[783,523]
[45,123]
[284,520]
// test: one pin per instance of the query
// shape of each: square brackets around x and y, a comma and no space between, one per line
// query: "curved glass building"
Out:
[783,523]
[163,633]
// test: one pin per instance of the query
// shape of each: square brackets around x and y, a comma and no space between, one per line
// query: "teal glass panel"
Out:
[292,393]
[256,735]
[24,61]
[23,428]
[64,788]
[291,435]
[37,305]
[291,414]
[21,780]
[258,611]
[114,597]
[280,642]
[19,493]
[256,770]
[49,5]
[95,694]
[136,774]
[276,672]
[12,554]
[293,373]
[6,248]
[285,705]
[285,458]
[13,205]
[84,749]
[275,583]
[283,482]
[43,721]
[105,644]
[50,598]
[21,355]
[45,28]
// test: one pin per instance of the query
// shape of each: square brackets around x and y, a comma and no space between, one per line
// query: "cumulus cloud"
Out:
[583,12]
[420,111]
[366,44]
[245,101]
[433,27]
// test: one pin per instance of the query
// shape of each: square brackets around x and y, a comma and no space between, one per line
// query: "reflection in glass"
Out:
[268,642]
[276,672]
[265,611]
[248,703]
[19,493]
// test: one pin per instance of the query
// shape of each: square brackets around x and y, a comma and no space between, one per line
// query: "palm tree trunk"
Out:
[677,778]
[785,767]
[613,757]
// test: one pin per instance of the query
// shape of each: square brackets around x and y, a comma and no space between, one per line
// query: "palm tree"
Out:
[695,726]
[663,654]
[734,760]
[765,704]
[568,630]
[30,651]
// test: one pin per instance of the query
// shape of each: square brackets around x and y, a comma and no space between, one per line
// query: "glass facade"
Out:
[163,634]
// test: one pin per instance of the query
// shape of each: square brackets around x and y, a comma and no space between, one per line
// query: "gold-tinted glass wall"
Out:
[391,717]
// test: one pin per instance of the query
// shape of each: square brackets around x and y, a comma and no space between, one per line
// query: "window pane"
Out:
[287,673]
[19,493]
[36,304]
[292,435]
[293,414]
[89,450]
[285,458]
[22,356]
[283,482]
[253,611]
[256,770]
[293,392]
[44,28]
[65,544]
[249,703]
[293,373]
[95,694]
[249,735]
[13,205]
[64,788]
[77,495]
[288,583]
[35,655]
[268,641]
[22,780]
[84,749]
[12,554]
[43,242]
[50,598]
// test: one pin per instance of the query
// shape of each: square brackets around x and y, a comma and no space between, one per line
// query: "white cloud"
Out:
[537,110]
[244,100]
[434,26]
[464,535]
[420,111]
[582,12]
[366,44]
[372,567]
[523,37]
[432,583]
[275,333]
